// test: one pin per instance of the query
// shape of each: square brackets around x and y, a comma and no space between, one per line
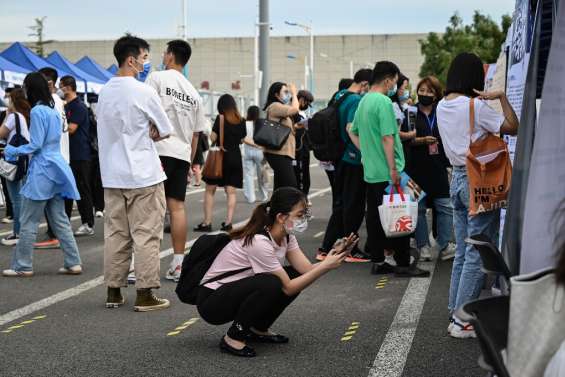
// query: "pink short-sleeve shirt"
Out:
[263,256]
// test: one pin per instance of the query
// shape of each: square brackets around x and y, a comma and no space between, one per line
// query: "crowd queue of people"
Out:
[131,164]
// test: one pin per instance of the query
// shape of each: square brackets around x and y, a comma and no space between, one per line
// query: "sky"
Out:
[109,19]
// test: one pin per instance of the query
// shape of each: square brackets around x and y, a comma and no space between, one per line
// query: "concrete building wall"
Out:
[221,61]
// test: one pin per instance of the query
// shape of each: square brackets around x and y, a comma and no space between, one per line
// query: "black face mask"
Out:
[425,100]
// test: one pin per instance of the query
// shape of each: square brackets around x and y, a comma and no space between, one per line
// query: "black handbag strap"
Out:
[18,128]
[225,275]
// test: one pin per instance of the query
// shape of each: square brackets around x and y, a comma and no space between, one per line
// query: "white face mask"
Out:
[299,225]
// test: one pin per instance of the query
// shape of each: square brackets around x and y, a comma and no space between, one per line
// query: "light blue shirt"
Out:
[48,174]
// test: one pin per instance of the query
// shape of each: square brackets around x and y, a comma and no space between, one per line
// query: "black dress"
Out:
[429,171]
[232,171]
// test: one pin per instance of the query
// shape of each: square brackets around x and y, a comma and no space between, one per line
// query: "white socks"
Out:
[177,259]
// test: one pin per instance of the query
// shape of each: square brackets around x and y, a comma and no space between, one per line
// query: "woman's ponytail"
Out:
[258,221]
[282,201]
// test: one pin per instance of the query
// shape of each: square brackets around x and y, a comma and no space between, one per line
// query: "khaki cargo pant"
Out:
[133,222]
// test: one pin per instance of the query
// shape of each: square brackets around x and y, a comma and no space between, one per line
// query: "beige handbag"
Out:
[536,324]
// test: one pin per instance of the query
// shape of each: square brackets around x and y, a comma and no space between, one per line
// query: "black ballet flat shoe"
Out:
[203,227]
[274,339]
[244,352]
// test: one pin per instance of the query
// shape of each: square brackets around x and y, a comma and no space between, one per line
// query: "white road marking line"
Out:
[81,288]
[43,225]
[391,359]
[318,235]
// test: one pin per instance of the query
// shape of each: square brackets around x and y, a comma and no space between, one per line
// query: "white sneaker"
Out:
[17,274]
[99,214]
[73,270]
[7,220]
[448,252]
[425,253]
[11,240]
[390,260]
[462,330]
[131,277]
[173,273]
[84,230]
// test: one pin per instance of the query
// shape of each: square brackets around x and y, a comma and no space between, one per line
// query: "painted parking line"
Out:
[318,235]
[350,332]
[23,324]
[83,287]
[183,327]
[381,283]
[394,350]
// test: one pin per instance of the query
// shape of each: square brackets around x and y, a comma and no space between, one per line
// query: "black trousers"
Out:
[81,171]
[96,185]
[256,301]
[348,208]
[377,242]
[9,208]
[283,170]
[302,172]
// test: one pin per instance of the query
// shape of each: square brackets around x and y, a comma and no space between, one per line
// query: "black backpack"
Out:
[16,141]
[324,133]
[198,262]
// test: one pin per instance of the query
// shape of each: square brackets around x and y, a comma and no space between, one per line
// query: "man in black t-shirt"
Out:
[80,154]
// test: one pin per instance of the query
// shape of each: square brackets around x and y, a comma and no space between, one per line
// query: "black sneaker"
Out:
[226,227]
[381,269]
[203,227]
[167,229]
[411,272]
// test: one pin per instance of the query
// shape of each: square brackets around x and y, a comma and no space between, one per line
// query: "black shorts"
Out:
[177,177]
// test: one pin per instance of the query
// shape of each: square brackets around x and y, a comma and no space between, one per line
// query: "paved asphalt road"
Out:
[397,329]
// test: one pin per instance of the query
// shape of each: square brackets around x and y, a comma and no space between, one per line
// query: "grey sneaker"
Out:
[84,230]
[73,270]
[425,254]
[448,252]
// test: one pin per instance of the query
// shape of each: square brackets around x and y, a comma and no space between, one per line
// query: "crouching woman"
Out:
[256,296]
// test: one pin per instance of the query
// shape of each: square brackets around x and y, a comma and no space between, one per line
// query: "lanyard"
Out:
[431,123]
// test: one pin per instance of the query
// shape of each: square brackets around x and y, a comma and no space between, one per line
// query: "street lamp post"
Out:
[307,29]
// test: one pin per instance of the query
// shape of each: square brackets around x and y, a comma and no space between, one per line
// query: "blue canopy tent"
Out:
[12,73]
[18,54]
[113,69]
[90,66]
[93,84]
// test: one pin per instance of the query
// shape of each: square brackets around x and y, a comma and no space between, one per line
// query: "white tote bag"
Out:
[536,324]
[398,214]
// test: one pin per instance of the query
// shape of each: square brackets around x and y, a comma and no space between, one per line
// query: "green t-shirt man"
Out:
[374,119]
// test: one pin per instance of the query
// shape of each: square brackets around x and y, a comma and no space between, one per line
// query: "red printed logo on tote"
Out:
[403,224]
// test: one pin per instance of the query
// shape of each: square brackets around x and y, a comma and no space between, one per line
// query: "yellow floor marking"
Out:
[349,333]
[7,331]
[15,327]
[181,327]
[345,338]
[353,327]
[355,323]
[40,317]
[27,322]
[173,333]
[380,287]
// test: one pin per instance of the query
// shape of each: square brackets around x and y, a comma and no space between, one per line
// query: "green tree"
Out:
[38,33]
[483,37]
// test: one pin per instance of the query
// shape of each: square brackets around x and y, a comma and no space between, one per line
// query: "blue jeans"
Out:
[466,275]
[444,210]
[14,188]
[31,215]
[252,165]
